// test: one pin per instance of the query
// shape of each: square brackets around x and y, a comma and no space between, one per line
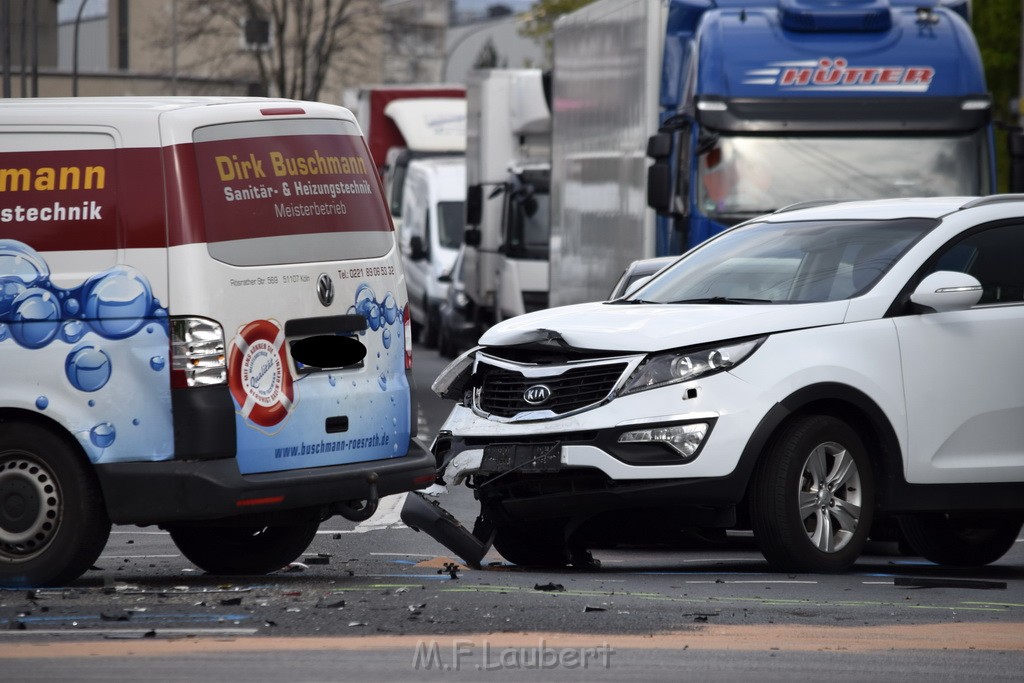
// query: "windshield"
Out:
[794,262]
[451,223]
[529,226]
[755,175]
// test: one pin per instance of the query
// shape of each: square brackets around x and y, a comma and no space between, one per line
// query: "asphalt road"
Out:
[378,601]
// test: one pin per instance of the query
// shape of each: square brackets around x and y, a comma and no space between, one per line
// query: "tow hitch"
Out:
[428,516]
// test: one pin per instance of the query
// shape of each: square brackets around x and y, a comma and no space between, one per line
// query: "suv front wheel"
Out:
[812,496]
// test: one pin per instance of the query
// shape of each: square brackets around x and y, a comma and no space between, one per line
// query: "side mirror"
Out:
[474,205]
[473,237]
[417,252]
[947,290]
[637,284]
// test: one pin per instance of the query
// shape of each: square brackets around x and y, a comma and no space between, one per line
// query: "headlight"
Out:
[680,366]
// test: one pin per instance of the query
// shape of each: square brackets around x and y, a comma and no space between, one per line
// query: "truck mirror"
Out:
[474,205]
[659,145]
[1016,144]
[472,237]
[417,252]
[659,186]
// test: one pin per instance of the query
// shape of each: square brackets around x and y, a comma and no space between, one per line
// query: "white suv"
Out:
[810,375]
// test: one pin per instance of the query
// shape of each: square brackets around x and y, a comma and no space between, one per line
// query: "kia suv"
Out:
[810,375]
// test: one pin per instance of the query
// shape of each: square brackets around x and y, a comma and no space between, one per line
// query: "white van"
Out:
[432,230]
[203,326]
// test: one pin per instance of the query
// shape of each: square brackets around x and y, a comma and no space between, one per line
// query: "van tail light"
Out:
[197,353]
[407,322]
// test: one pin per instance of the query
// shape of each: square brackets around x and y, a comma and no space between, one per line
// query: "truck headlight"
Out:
[680,366]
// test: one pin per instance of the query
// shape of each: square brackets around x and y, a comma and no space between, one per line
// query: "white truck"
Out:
[405,122]
[508,136]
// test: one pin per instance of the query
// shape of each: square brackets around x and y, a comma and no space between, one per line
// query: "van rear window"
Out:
[290,191]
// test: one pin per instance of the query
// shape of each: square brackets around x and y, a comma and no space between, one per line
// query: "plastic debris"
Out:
[588,608]
[550,587]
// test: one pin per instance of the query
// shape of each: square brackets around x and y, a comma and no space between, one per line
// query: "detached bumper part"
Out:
[427,516]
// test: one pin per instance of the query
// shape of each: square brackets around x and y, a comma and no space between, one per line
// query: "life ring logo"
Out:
[258,375]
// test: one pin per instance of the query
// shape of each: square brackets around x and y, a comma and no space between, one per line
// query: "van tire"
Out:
[814,472]
[239,549]
[962,539]
[53,523]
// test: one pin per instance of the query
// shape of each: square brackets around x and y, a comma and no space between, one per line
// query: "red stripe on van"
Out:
[126,198]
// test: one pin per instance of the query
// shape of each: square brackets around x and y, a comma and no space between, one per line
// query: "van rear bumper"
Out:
[174,491]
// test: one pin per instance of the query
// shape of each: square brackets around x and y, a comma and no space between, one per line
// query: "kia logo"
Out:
[537,394]
[325,289]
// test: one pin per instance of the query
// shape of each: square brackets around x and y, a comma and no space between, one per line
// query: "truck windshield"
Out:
[785,263]
[754,175]
[529,226]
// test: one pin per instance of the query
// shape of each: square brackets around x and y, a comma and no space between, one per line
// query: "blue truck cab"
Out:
[767,104]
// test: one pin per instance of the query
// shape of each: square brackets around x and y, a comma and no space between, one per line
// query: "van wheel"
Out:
[962,539]
[431,326]
[253,549]
[812,496]
[53,523]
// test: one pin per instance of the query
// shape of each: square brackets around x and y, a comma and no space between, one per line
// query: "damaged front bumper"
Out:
[422,514]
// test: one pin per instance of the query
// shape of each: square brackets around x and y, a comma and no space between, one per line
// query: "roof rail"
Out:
[993,199]
[809,204]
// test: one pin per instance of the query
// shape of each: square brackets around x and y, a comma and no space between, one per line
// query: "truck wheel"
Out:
[53,523]
[253,549]
[431,326]
[812,496]
[520,546]
[962,539]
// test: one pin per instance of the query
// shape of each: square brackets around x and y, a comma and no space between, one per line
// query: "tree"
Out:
[311,42]
[997,27]
[540,21]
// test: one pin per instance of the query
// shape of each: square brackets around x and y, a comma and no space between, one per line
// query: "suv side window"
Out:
[995,257]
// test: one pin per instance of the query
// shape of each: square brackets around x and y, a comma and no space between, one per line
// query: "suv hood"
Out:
[657,327]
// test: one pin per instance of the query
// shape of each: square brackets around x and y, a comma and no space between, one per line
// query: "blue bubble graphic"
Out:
[42,402]
[72,331]
[103,435]
[87,368]
[382,381]
[36,318]
[92,403]
[72,307]
[157,363]
[4,331]
[135,421]
[9,291]
[117,302]
[330,378]
[386,338]
[373,317]
[390,309]
[21,263]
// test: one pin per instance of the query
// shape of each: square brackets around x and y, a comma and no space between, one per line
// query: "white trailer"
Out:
[507,168]
[605,90]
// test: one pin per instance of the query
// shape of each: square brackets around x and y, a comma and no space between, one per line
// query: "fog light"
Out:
[683,439]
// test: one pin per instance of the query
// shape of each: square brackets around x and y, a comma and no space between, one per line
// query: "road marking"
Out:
[134,557]
[131,633]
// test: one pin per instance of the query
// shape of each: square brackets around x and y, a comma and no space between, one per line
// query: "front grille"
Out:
[502,391]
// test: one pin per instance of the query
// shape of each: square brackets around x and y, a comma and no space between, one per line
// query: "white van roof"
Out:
[134,116]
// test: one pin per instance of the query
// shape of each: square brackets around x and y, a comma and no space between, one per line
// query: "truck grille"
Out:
[503,392]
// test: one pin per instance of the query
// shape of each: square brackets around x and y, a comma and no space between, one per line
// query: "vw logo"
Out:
[325,289]
[537,394]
